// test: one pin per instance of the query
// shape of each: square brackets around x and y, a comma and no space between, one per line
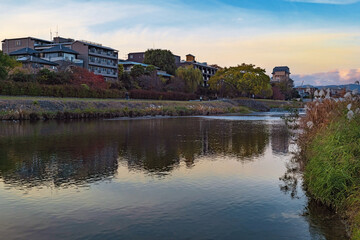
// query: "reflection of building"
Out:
[279,139]
[80,168]
[280,74]
[83,152]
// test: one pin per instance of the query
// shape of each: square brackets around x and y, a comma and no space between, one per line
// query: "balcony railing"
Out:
[102,63]
[102,53]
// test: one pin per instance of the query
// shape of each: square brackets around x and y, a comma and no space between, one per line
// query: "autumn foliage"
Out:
[81,76]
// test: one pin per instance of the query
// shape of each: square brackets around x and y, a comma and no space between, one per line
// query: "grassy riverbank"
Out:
[35,108]
[331,150]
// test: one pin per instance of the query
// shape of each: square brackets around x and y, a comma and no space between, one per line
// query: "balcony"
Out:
[103,54]
[102,64]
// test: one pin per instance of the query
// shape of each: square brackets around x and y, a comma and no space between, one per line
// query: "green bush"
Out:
[35,89]
[332,173]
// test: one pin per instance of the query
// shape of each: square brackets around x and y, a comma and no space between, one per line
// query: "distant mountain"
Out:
[350,87]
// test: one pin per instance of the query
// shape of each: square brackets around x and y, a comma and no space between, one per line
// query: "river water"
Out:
[222,177]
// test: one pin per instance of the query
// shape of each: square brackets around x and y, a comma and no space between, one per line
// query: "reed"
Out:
[330,147]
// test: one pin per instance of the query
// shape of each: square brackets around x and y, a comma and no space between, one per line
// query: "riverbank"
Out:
[36,108]
[330,147]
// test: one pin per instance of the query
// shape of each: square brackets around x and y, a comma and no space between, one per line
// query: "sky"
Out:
[318,39]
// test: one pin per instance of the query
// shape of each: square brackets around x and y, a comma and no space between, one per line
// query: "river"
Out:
[223,177]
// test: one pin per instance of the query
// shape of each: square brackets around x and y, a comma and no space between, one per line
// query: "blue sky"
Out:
[318,39]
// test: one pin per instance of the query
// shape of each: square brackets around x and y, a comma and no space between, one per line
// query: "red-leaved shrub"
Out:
[81,76]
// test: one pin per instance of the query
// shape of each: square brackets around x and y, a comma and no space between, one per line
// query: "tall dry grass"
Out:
[330,149]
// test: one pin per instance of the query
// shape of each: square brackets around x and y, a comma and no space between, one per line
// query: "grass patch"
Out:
[332,172]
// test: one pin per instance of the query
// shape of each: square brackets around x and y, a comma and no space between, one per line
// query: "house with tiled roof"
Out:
[281,73]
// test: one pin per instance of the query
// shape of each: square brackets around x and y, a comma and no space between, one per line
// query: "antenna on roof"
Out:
[57,30]
[50,35]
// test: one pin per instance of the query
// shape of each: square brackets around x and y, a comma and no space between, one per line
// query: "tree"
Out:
[287,88]
[245,79]
[120,70]
[82,76]
[164,59]
[176,85]
[6,64]
[150,82]
[149,70]
[191,76]
[137,71]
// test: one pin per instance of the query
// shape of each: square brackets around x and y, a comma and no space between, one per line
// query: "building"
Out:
[34,64]
[14,44]
[67,52]
[98,59]
[128,65]
[280,74]
[306,91]
[139,57]
[31,61]
[206,70]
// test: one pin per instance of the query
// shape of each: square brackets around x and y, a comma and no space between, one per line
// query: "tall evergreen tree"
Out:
[164,59]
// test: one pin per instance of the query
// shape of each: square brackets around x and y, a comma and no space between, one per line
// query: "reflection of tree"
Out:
[279,139]
[79,152]
[323,222]
[290,179]
[160,147]
[46,154]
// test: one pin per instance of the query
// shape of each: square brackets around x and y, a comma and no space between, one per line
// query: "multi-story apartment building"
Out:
[280,74]
[207,70]
[96,58]
[14,44]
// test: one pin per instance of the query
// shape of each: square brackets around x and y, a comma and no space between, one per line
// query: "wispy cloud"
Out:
[326,1]
[307,41]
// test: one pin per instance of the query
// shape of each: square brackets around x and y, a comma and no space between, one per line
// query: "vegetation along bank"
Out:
[35,108]
[330,149]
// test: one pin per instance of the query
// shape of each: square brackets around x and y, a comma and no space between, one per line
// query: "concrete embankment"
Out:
[32,108]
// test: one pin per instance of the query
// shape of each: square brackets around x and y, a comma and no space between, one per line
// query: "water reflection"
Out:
[200,178]
[324,223]
[79,152]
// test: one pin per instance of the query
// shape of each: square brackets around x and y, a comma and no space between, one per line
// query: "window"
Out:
[18,43]
[131,56]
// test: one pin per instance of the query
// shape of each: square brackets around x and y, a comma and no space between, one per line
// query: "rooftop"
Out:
[281,69]
[32,38]
[95,45]
[199,64]
[59,48]
[124,62]
[33,59]
[24,51]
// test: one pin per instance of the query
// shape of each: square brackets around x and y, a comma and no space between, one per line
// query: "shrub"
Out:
[143,94]
[150,82]
[83,76]
[35,89]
